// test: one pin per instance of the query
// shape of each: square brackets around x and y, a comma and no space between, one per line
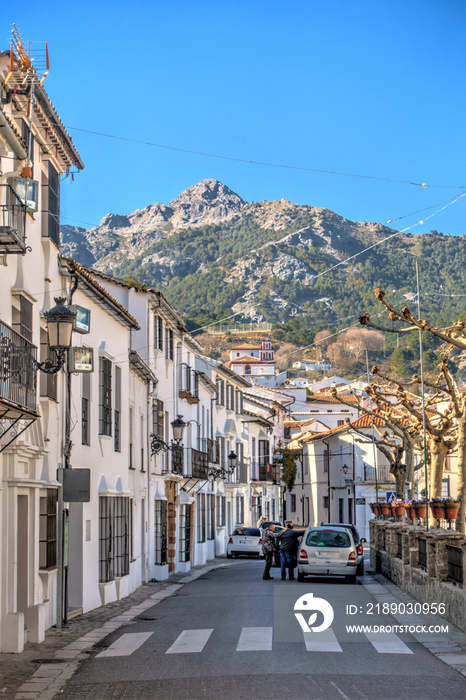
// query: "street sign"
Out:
[76,485]
[360,501]
[391,496]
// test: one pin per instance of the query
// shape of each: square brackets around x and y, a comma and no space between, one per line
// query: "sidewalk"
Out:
[41,670]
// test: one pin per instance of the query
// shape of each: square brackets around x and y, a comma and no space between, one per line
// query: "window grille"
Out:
[240,509]
[220,392]
[169,351]
[53,205]
[158,333]
[48,530]
[85,409]
[105,403]
[185,533]
[221,511]
[455,564]
[117,412]
[210,516]
[160,532]
[293,503]
[114,537]
[201,517]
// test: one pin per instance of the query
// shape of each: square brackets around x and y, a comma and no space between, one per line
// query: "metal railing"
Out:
[263,469]
[18,368]
[177,460]
[399,545]
[455,564]
[383,473]
[12,221]
[198,464]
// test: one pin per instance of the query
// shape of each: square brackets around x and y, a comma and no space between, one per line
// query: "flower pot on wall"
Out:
[398,509]
[421,510]
[437,510]
[384,508]
[451,510]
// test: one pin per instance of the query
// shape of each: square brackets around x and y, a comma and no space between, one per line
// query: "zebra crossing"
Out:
[254,639]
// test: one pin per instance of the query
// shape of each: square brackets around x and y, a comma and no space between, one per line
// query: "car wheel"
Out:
[229,556]
[300,577]
[360,570]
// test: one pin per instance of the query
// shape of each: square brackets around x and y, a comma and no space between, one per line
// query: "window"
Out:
[114,537]
[53,210]
[210,516]
[105,397]
[247,369]
[117,412]
[220,392]
[169,352]
[86,409]
[130,443]
[201,517]
[160,532]
[48,530]
[240,509]
[158,333]
[157,418]
[340,422]
[239,402]
[185,533]
[48,382]
[221,513]
[23,323]
[230,397]
[293,503]
[141,422]
[326,460]
[325,502]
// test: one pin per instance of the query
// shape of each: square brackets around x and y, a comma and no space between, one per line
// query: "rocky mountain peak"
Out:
[207,202]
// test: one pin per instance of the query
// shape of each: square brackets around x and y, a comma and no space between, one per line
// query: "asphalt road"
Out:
[230,635]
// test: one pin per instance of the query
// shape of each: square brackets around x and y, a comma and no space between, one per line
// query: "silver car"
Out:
[245,540]
[327,551]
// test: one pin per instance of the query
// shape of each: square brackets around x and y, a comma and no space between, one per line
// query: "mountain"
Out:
[215,254]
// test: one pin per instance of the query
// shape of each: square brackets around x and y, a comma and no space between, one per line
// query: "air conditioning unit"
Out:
[27,191]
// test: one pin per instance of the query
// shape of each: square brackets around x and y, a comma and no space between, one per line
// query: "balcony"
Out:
[12,222]
[198,464]
[189,384]
[18,388]
[263,469]
[240,475]
[383,474]
[175,463]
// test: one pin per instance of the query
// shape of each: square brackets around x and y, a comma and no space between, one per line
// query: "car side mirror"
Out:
[363,539]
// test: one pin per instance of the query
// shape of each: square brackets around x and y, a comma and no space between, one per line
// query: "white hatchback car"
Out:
[245,540]
[327,551]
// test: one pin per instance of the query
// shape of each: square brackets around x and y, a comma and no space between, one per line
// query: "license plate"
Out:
[243,541]
[327,554]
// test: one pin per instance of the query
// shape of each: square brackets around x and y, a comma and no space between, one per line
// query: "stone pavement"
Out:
[41,670]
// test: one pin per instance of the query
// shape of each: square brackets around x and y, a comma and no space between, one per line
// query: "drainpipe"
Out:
[354,482]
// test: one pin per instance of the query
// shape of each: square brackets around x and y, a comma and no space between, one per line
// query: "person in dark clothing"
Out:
[289,550]
[268,548]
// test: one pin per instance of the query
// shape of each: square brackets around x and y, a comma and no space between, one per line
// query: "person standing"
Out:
[289,550]
[268,548]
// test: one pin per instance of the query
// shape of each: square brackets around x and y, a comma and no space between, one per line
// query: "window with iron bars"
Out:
[240,509]
[230,397]
[239,402]
[158,333]
[114,537]
[220,392]
[221,511]
[201,517]
[105,397]
[185,533]
[117,411]
[48,530]
[169,351]
[210,516]
[160,532]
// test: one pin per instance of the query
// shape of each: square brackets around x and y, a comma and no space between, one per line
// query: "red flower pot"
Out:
[437,510]
[421,510]
[398,509]
[384,509]
[451,510]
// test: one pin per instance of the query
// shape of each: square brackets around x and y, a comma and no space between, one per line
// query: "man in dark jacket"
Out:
[268,548]
[289,550]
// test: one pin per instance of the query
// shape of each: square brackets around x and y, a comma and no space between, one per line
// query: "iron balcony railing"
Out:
[177,460]
[263,469]
[18,368]
[12,221]
[198,464]
[383,474]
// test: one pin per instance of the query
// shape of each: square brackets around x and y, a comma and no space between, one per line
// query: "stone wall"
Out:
[423,578]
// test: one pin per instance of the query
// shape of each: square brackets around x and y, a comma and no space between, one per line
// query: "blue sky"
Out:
[366,88]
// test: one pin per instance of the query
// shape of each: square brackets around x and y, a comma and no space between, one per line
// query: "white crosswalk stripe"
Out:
[126,644]
[255,639]
[190,641]
[387,643]
[321,641]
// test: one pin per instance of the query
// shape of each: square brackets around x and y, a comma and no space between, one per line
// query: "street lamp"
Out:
[158,445]
[60,321]
[221,471]
[345,469]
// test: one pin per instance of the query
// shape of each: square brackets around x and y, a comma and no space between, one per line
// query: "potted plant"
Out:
[384,508]
[437,508]
[452,506]
[421,508]
[398,508]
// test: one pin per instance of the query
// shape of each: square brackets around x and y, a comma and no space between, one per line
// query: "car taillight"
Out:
[260,541]
[303,554]
[359,548]
[352,556]
[230,541]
